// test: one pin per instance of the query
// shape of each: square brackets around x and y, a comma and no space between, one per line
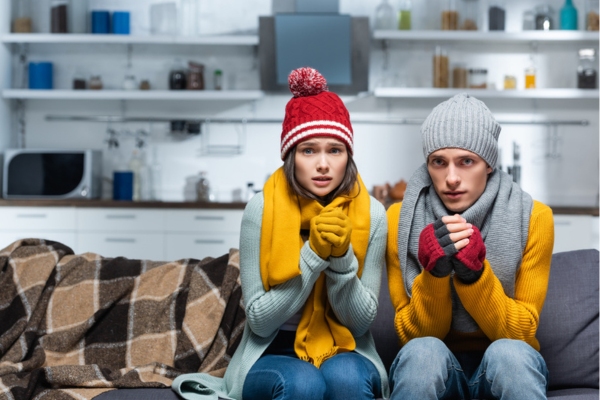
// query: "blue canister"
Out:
[120,22]
[100,22]
[123,185]
[40,75]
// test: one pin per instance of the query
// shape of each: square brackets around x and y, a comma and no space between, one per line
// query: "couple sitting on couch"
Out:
[468,260]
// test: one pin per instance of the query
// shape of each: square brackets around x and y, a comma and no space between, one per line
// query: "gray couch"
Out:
[568,331]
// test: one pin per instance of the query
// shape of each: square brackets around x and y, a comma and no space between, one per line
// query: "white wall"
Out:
[384,153]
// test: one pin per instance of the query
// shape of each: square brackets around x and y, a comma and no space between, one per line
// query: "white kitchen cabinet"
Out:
[120,220]
[575,232]
[138,245]
[52,223]
[202,233]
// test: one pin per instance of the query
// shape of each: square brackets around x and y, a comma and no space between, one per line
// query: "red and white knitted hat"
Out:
[313,111]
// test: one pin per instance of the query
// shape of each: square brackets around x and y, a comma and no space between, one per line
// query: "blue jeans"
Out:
[280,375]
[508,370]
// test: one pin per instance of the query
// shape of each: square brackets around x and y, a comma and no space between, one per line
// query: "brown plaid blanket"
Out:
[74,326]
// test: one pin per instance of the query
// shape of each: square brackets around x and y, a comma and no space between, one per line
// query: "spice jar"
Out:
[195,80]
[469,15]
[459,75]
[496,15]
[586,72]
[95,83]
[510,82]
[218,79]
[440,68]
[450,16]
[530,77]
[145,84]
[591,15]
[129,83]
[543,18]
[478,78]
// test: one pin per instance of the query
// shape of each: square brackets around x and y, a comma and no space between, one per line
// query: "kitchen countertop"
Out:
[122,204]
[557,210]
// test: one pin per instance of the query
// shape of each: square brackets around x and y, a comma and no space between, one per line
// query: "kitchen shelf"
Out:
[431,93]
[217,40]
[489,37]
[199,95]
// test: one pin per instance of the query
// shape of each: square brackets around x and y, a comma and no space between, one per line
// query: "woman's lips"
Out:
[321,181]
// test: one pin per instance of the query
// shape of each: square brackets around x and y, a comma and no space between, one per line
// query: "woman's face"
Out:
[459,177]
[320,164]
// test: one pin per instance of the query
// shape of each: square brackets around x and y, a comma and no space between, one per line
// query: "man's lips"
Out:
[454,194]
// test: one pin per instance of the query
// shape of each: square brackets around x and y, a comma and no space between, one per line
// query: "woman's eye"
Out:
[307,150]
[335,150]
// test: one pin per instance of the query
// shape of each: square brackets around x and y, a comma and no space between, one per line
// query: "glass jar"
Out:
[544,20]
[469,13]
[440,68]
[177,77]
[95,83]
[404,16]
[203,188]
[449,16]
[591,15]
[510,82]
[586,71]
[528,20]
[58,16]
[459,75]
[530,77]
[496,15]
[195,80]
[129,83]
[22,21]
[385,16]
[145,84]
[478,78]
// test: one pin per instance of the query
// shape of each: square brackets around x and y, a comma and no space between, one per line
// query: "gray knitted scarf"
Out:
[501,213]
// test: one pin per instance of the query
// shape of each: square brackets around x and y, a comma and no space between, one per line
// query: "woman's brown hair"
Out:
[345,187]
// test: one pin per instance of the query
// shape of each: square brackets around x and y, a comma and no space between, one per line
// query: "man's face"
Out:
[459,177]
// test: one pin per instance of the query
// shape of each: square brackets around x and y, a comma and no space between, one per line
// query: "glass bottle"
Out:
[449,16]
[203,188]
[195,80]
[404,16]
[469,15]
[496,15]
[218,79]
[22,22]
[528,20]
[592,15]
[385,16]
[250,192]
[440,68]
[568,16]
[530,77]
[129,82]
[586,72]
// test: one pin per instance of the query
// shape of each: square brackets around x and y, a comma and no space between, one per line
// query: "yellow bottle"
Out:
[530,78]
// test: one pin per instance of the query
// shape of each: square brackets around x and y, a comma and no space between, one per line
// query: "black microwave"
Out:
[52,174]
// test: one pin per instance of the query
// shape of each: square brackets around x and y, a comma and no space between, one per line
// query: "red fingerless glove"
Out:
[468,262]
[435,249]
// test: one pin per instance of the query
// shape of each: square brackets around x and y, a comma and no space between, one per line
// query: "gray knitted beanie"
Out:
[462,122]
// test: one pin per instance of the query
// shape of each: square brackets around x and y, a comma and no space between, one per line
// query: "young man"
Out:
[468,265]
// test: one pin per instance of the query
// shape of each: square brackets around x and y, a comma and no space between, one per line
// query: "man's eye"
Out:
[468,161]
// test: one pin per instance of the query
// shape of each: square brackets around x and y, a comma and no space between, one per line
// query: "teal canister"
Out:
[568,16]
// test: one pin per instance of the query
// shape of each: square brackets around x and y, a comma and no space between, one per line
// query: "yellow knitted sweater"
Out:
[429,311]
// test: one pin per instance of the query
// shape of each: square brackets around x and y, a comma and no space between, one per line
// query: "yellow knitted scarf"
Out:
[319,335]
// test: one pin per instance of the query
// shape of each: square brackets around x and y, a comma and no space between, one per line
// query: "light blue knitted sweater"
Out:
[354,302]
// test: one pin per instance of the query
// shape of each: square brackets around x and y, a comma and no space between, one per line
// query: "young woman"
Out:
[312,249]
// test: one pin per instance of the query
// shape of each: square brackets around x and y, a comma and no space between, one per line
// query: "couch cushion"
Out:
[568,330]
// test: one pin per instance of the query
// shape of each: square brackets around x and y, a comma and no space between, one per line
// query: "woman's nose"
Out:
[322,164]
